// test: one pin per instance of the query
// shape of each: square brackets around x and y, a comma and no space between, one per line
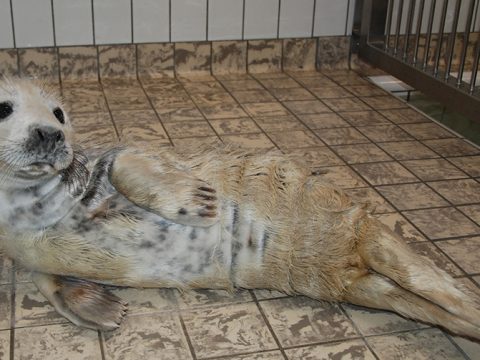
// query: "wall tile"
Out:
[264,56]
[117,61]
[151,21]
[299,54]
[229,57]
[296,17]
[73,22]
[192,57]
[8,62]
[333,52]
[41,63]
[330,17]
[225,19]
[78,63]
[6,35]
[189,20]
[33,23]
[155,60]
[261,19]
[112,21]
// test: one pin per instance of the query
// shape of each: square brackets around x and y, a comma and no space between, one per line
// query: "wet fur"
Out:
[223,219]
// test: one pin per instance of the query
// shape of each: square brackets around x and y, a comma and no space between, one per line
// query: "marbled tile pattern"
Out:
[418,178]
[8,62]
[41,63]
[299,54]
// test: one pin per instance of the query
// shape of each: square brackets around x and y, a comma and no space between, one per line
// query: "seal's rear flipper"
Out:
[84,303]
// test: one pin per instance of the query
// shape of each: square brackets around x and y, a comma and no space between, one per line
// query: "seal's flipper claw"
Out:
[84,303]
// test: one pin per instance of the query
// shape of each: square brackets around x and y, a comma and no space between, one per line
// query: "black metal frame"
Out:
[372,33]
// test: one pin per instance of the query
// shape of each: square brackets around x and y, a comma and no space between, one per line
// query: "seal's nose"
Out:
[47,137]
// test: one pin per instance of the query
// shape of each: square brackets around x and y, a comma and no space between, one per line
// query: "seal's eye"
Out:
[59,115]
[6,109]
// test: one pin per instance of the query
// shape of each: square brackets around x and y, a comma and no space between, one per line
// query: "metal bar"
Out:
[451,43]
[388,26]
[399,23]
[466,37]
[408,28]
[429,34]
[473,80]
[438,50]
[445,92]
[421,6]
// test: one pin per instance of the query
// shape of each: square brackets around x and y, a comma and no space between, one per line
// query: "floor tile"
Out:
[313,82]
[204,142]
[442,223]
[384,102]
[139,126]
[458,192]
[323,121]
[286,83]
[147,301]
[32,308]
[249,141]
[411,196]
[242,85]
[203,87]
[341,136]
[265,109]
[400,226]
[433,169]
[404,116]
[128,98]
[452,147]
[348,78]
[377,322]
[385,173]
[95,137]
[426,131]
[183,129]
[429,250]
[179,112]
[469,164]
[292,94]
[469,347]
[353,349]
[295,139]
[4,344]
[364,118]
[228,330]
[361,153]
[377,204]
[342,176]
[235,126]
[419,345]
[5,307]
[85,99]
[306,107]
[472,211]
[222,111]
[201,298]
[405,150]
[279,123]
[301,320]
[382,133]
[249,96]
[330,92]
[215,98]
[152,336]
[91,120]
[264,294]
[6,267]
[57,342]
[346,104]
[464,252]
[366,90]
[267,355]
[316,157]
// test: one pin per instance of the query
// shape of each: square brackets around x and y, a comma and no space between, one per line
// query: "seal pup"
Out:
[217,219]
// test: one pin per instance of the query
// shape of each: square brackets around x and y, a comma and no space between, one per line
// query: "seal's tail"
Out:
[413,286]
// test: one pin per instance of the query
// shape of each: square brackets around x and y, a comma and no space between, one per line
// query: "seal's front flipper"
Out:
[158,186]
[84,303]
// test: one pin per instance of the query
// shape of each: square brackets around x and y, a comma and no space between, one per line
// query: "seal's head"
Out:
[35,131]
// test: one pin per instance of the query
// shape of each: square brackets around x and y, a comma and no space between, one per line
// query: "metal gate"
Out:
[432,45]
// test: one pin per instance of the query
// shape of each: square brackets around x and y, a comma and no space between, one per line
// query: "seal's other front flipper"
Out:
[158,186]
[84,303]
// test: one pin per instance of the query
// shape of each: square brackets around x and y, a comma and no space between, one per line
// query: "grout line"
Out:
[187,337]
[93,24]
[347,17]
[109,110]
[243,20]
[131,21]
[53,23]
[13,278]
[206,21]
[278,19]
[101,343]
[13,25]
[170,21]
[269,326]
[313,17]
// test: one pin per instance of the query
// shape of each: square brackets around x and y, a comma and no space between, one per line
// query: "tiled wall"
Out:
[36,23]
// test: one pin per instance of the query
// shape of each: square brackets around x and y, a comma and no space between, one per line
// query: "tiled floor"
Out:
[423,180]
